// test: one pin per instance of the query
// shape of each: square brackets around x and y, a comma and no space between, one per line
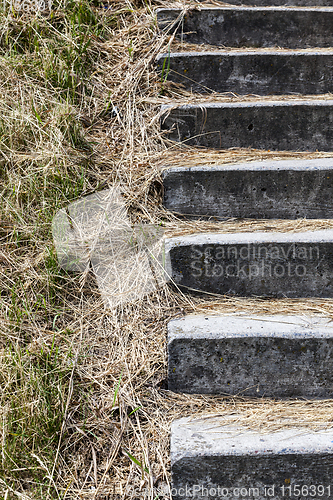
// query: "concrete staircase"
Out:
[288,65]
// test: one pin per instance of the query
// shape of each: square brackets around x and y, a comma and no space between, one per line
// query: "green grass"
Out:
[56,50]
[36,386]
[44,163]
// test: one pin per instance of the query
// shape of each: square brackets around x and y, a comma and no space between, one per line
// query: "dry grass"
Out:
[83,406]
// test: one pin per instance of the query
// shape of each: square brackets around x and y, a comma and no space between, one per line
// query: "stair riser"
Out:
[199,369]
[263,190]
[209,477]
[246,73]
[246,27]
[277,356]
[306,126]
[258,264]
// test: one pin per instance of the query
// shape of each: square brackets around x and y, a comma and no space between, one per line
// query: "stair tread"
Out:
[319,236]
[224,101]
[230,51]
[227,7]
[267,165]
[219,438]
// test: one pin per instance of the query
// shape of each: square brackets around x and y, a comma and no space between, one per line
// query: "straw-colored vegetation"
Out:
[84,410]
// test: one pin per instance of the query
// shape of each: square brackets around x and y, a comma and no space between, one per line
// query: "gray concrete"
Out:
[252,72]
[292,3]
[253,264]
[207,454]
[273,356]
[303,27]
[287,189]
[275,125]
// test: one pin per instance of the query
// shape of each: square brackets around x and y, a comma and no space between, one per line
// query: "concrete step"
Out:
[211,459]
[260,72]
[260,264]
[262,356]
[303,27]
[294,124]
[285,189]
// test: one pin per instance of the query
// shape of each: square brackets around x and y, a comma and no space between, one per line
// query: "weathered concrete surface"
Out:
[253,26]
[215,460]
[284,3]
[275,125]
[273,356]
[287,189]
[252,72]
[253,264]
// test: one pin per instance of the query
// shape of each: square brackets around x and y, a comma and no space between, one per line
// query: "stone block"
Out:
[305,125]
[292,265]
[261,356]
[252,26]
[285,189]
[252,72]
[211,459]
